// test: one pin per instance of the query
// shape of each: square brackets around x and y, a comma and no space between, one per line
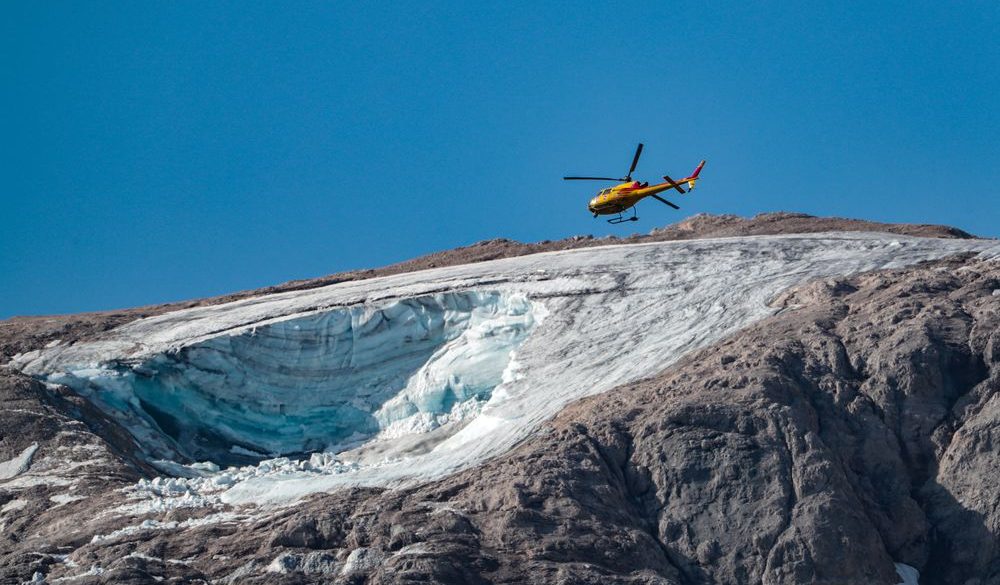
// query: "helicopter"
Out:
[622,197]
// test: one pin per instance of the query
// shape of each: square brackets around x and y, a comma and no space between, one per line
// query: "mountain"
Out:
[780,399]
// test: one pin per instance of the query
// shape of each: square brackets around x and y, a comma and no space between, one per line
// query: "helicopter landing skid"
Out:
[620,219]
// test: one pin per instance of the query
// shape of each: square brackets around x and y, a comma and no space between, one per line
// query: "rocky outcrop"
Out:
[77,458]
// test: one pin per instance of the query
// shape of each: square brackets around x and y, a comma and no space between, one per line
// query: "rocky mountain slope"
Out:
[845,428]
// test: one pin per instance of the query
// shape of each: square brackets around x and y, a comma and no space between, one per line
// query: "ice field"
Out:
[405,378]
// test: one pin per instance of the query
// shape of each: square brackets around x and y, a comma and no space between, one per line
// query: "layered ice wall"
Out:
[320,382]
[450,395]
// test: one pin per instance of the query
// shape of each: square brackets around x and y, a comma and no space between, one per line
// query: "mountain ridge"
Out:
[43,329]
[845,432]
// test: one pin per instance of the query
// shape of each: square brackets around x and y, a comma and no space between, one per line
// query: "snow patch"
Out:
[58,466]
[93,571]
[19,464]
[145,557]
[908,574]
[63,499]
[158,525]
[416,549]
[13,505]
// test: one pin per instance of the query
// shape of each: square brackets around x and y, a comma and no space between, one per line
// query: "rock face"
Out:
[852,430]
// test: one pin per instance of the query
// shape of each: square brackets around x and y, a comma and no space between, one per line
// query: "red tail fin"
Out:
[694,175]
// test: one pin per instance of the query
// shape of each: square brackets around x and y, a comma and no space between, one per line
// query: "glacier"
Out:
[405,378]
[319,382]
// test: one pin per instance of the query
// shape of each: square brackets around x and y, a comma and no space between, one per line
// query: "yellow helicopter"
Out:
[621,198]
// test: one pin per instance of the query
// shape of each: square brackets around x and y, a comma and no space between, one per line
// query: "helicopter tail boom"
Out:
[694,176]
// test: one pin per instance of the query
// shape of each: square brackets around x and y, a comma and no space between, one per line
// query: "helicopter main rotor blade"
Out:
[590,179]
[665,201]
[635,161]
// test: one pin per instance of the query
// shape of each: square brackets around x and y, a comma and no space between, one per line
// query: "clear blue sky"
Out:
[157,151]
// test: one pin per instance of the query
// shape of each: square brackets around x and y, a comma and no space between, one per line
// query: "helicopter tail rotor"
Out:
[673,184]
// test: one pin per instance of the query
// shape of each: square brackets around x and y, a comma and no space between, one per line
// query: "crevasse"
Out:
[320,382]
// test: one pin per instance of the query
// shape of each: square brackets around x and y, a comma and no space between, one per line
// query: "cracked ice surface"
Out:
[318,382]
[576,322]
